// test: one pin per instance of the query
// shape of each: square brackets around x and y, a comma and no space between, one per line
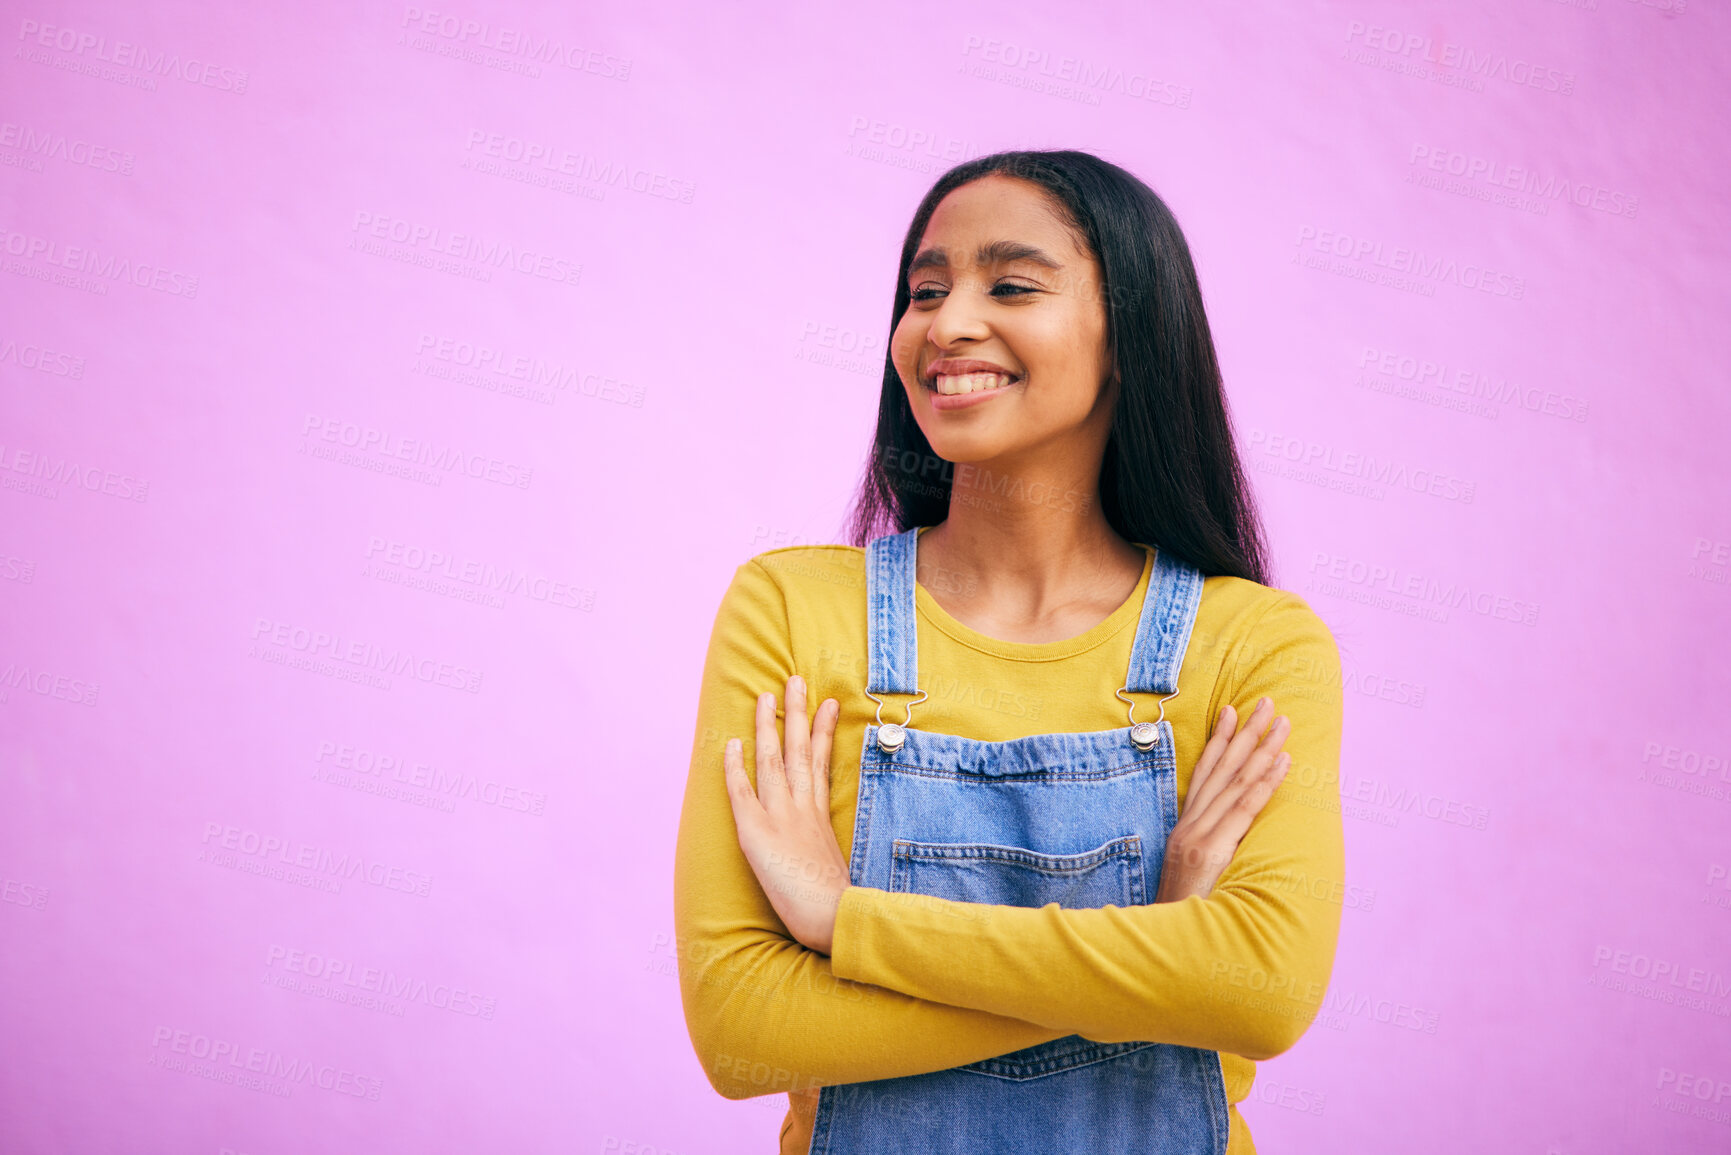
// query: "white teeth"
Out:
[952,384]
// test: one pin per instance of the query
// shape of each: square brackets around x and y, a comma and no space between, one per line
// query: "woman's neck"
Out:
[1024,557]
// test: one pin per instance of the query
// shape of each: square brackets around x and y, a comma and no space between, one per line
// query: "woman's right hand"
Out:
[1235,776]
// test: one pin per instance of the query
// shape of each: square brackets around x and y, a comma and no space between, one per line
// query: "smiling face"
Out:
[1002,350]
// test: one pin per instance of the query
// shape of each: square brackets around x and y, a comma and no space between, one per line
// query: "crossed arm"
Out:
[916,984]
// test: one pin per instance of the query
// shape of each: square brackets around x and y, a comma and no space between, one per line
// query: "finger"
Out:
[771,776]
[1258,760]
[822,741]
[798,727]
[1257,792]
[1226,811]
[740,796]
[1250,802]
[1194,796]
[1237,749]
[1269,748]
[1224,728]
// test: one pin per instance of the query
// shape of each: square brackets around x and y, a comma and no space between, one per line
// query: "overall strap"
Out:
[1163,632]
[891,634]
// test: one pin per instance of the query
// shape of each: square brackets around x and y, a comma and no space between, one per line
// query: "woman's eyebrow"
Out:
[995,253]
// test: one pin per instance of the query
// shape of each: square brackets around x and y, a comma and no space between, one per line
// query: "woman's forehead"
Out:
[996,220]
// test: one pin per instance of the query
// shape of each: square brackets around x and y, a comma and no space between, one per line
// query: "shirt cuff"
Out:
[851,943]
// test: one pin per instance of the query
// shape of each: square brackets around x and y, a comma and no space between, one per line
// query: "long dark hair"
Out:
[1171,477]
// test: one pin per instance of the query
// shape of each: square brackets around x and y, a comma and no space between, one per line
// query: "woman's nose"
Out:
[959,316]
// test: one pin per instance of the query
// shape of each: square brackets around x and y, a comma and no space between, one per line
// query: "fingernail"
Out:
[796,682]
[1264,703]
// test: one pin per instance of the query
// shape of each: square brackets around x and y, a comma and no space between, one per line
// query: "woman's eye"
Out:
[1002,289]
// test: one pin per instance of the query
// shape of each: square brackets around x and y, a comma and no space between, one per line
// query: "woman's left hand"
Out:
[784,825]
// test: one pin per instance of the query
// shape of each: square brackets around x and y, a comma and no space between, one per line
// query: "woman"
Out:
[1060,900]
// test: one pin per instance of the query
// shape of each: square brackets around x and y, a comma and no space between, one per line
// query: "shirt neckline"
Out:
[1129,612]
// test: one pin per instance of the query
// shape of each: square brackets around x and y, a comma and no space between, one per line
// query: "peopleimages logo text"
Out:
[365,655]
[1469,61]
[516,42]
[435,239]
[315,859]
[1412,262]
[223,1060]
[91,262]
[1089,77]
[1452,594]
[89,46]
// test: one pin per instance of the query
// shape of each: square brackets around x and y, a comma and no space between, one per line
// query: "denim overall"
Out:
[1079,819]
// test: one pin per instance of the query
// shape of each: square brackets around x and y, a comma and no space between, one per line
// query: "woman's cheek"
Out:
[904,347]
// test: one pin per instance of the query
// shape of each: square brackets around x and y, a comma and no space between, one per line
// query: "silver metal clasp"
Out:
[1145,735]
[891,736]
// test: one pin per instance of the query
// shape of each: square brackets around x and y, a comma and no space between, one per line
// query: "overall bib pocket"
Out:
[1108,875]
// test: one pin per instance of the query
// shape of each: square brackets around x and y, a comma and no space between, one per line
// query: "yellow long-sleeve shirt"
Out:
[917,984]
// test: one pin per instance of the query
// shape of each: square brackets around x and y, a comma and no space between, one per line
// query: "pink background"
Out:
[201,285]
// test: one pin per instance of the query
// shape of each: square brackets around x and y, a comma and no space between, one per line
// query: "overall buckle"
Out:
[1145,735]
[891,736]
